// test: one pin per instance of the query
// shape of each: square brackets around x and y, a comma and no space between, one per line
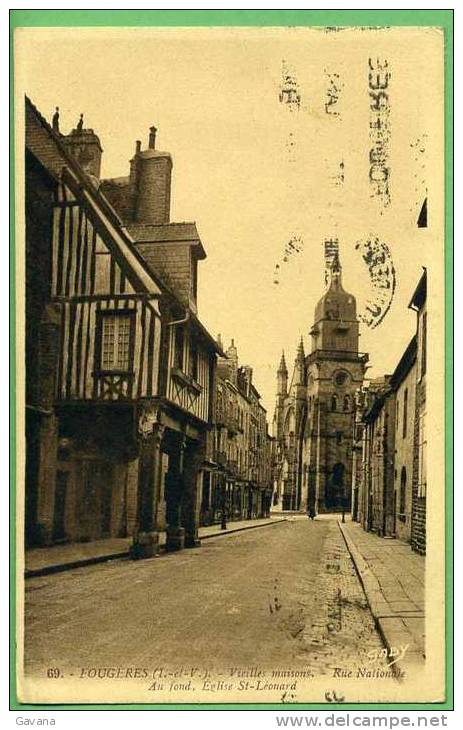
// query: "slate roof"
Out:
[172,233]
[405,364]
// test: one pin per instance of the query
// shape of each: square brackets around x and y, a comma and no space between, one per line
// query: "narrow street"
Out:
[280,596]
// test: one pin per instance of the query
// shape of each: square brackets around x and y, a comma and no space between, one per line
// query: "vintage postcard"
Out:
[230,298]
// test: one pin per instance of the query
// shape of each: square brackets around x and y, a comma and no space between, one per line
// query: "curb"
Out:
[224,533]
[62,567]
[84,562]
[390,627]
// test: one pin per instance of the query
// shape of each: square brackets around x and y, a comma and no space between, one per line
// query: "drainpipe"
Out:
[180,321]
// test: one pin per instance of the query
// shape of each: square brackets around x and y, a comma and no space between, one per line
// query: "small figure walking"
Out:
[311,513]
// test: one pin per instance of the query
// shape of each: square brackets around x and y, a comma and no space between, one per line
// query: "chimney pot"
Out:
[137,146]
[152,138]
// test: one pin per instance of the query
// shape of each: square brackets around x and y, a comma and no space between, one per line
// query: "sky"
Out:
[256,173]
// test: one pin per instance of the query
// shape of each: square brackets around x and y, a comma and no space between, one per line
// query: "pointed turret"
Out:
[282,376]
[232,357]
[282,393]
[299,365]
[232,352]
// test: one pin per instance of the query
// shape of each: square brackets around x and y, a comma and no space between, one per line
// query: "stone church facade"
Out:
[315,411]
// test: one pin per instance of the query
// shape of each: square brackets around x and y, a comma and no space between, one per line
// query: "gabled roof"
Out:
[405,364]
[55,158]
[52,154]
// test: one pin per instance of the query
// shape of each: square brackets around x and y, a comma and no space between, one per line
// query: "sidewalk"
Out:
[54,559]
[392,576]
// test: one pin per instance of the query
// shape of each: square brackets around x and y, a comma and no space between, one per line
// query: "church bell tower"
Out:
[335,370]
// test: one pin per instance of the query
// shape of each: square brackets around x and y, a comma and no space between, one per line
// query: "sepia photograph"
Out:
[230,389]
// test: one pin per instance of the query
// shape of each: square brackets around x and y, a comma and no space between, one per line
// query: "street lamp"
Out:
[343,499]
[349,460]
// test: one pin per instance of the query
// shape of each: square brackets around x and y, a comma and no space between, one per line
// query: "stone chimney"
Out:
[84,145]
[246,371]
[150,174]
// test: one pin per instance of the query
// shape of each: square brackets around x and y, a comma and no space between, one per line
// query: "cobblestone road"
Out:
[285,595]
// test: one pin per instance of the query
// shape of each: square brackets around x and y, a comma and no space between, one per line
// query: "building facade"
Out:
[376,502]
[419,478]
[120,371]
[403,384]
[241,482]
[389,482]
[315,414]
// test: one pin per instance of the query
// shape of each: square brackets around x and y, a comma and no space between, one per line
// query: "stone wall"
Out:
[404,453]
[153,189]
[122,196]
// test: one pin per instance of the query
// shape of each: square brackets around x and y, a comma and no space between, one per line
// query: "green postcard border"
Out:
[198,18]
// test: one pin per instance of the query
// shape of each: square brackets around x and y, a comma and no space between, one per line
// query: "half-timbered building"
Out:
[119,369]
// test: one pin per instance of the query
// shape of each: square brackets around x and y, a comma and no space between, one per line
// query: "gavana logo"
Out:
[35,721]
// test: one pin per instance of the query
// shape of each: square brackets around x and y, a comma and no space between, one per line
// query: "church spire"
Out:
[300,351]
[282,376]
[335,273]
[299,365]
